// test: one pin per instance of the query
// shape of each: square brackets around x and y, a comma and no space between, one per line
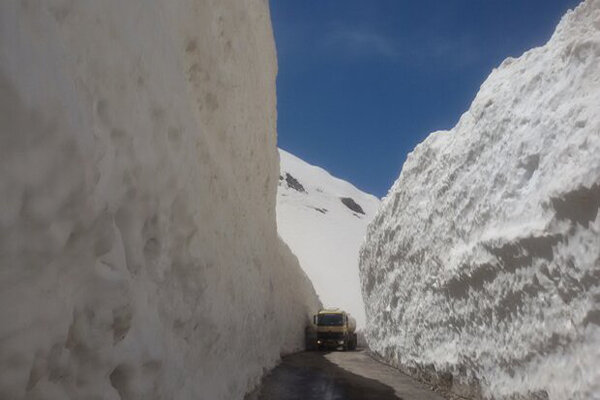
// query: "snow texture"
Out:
[482,268]
[139,255]
[324,221]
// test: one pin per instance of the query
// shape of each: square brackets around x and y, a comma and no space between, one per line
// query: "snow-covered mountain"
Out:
[324,219]
[139,255]
[482,268]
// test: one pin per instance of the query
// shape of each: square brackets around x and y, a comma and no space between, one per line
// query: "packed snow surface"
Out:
[324,221]
[139,255]
[484,260]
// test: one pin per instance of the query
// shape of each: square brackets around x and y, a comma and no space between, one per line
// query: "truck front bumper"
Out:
[330,342]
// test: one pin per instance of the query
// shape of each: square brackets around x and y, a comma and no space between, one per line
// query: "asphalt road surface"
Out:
[351,375]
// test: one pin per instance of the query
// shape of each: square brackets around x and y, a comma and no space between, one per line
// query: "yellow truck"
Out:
[335,328]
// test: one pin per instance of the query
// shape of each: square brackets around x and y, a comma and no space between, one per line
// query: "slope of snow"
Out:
[139,255]
[324,220]
[482,268]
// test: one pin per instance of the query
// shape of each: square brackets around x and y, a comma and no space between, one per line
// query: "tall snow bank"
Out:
[324,221]
[482,268]
[139,257]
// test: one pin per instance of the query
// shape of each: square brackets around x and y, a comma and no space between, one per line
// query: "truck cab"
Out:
[335,328]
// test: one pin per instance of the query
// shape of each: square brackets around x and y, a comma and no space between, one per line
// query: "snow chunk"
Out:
[481,269]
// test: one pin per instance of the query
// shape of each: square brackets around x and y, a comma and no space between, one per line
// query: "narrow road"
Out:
[349,375]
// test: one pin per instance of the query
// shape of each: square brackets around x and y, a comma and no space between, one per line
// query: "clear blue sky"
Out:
[361,82]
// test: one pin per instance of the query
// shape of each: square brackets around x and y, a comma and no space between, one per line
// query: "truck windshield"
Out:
[330,319]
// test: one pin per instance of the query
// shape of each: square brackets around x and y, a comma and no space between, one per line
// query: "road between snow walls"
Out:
[481,271]
[139,256]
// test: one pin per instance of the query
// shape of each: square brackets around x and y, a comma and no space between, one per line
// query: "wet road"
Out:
[349,375]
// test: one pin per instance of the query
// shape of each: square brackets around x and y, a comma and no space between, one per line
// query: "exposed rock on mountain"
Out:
[353,205]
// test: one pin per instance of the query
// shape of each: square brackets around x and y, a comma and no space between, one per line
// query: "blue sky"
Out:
[361,83]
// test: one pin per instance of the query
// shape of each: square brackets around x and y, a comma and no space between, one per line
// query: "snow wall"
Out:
[481,272]
[139,257]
